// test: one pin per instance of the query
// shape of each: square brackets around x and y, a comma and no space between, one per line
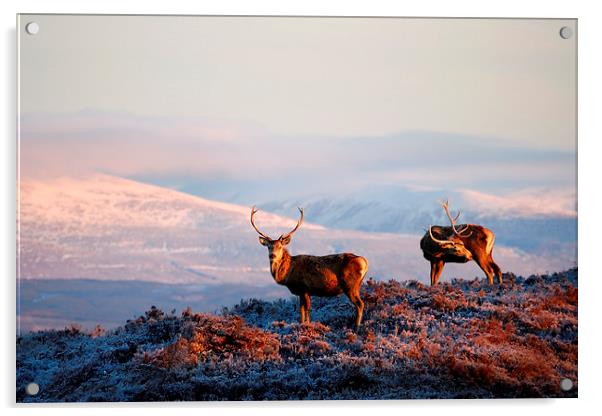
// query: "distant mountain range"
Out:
[540,222]
[101,232]
[109,228]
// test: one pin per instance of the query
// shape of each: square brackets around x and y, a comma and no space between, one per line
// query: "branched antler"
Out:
[436,240]
[253,212]
[462,232]
[296,226]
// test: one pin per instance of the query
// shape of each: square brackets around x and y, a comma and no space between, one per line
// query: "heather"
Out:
[460,339]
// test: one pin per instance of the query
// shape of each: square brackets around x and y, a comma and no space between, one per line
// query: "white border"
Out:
[590,211]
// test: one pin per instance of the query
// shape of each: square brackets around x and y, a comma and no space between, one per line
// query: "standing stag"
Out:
[307,276]
[459,244]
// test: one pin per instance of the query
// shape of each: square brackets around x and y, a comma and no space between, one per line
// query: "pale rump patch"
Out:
[490,241]
[363,265]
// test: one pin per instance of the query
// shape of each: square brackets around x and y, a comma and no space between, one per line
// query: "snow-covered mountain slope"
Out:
[537,220]
[102,200]
[109,228]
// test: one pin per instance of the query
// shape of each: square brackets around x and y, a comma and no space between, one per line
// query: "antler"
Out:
[253,212]
[436,240]
[460,233]
[296,226]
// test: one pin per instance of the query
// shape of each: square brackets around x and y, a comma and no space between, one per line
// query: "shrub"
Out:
[461,339]
[213,335]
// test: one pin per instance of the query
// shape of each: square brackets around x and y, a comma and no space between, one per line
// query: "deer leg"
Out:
[496,269]
[354,297]
[302,308]
[485,266]
[352,282]
[436,269]
[307,307]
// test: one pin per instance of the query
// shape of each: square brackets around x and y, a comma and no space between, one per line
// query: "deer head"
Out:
[275,247]
[453,245]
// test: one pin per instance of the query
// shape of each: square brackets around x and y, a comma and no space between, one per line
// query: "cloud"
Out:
[122,144]
[196,149]
[531,202]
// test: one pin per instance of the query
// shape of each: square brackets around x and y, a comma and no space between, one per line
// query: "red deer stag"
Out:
[459,244]
[307,276]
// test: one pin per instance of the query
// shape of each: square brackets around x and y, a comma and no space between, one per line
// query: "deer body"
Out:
[318,275]
[307,276]
[442,245]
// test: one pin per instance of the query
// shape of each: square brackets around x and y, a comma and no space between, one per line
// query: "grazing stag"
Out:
[307,276]
[459,244]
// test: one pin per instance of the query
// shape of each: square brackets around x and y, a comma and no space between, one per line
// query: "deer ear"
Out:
[286,240]
[263,241]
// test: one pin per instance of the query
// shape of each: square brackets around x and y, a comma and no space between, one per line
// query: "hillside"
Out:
[109,228]
[538,221]
[463,339]
[106,233]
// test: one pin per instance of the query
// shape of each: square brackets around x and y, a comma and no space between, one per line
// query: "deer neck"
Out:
[280,268]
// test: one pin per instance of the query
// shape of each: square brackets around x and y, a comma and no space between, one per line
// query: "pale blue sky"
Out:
[304,77]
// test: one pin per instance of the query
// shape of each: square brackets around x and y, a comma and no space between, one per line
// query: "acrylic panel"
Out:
[295,208]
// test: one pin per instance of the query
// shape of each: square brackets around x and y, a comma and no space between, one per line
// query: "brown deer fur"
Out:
[442,245]
[307,276]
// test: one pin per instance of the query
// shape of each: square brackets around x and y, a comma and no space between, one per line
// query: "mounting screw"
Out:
[32,28]
[566,32]
[566,384]
[32,389]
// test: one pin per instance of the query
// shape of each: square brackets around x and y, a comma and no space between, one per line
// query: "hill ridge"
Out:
[463,339]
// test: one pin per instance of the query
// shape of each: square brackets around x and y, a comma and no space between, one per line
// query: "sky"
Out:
[282,104]
[513,79]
